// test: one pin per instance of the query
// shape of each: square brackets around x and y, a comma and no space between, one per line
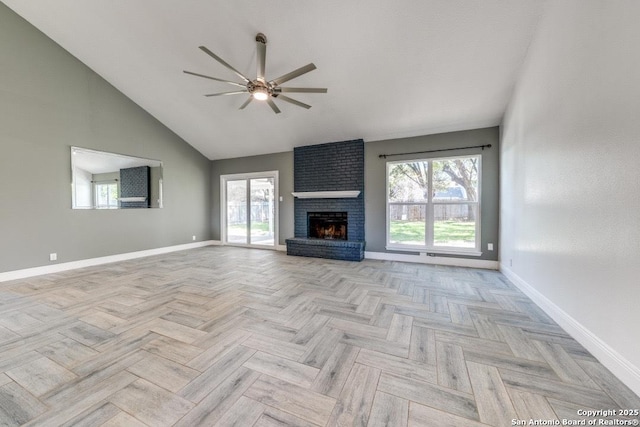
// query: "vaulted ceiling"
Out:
[393,68]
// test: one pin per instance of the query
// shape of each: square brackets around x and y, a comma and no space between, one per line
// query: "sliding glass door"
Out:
[237,211]
[249,209]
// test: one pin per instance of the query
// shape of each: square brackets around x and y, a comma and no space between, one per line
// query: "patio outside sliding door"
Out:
[237,211]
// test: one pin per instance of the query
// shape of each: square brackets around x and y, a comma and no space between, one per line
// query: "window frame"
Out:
[108,183]
[429,246]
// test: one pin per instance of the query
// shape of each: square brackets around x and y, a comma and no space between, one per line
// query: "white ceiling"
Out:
[394,68]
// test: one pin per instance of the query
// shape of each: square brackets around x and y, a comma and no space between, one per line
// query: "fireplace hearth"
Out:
[327,225]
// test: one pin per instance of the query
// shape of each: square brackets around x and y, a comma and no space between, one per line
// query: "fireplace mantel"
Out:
[326,194]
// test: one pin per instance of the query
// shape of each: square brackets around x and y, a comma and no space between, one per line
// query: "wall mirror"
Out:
[102,180]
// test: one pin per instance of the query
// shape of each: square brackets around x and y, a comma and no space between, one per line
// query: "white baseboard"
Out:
[56,268]
[438,260]
[628,373]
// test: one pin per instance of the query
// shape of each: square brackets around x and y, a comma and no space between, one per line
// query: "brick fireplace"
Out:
[329,204]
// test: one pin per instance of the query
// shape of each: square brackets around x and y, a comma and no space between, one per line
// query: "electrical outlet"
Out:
[510,262]
[193,238]
[53,257]
[489,246]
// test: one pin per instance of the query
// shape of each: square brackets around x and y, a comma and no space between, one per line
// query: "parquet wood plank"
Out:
[272,417]
[220,399]
[308,405]
[492,399]
[335,371]
[96,415]
[448,400]
[426,416]
[151,404]
[398,365]
[400,329]
[309,329]
[423,345]
[163,372]
[41,376]
[530,406]
[275,347]
[67,352]
[222,346]
[284,369]
[354,402]
[452,370]
[172,349]
[87,384]
[245,412]
[556,389]
[320,348]
[520,344]
[17,405]
[60,413]
[216,373]
[388,411]
[122,419]
[611,385]
[563,365]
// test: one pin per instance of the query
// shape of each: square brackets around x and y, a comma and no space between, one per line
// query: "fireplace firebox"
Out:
[327,225]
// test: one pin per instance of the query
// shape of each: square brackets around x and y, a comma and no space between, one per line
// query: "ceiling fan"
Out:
[260,88]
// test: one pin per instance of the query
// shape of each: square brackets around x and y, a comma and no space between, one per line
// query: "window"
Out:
[106,194]
[434,205]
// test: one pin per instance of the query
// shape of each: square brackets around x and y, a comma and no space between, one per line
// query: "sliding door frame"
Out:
[223,206]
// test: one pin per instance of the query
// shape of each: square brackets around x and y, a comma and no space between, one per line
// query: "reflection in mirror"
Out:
[102,180]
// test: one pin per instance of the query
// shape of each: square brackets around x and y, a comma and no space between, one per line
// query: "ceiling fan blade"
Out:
[261,44]
[228,93]
[302,89]
[273,106]
[292,75]
[294,102]
[213,78]
[222,61]
[246,102]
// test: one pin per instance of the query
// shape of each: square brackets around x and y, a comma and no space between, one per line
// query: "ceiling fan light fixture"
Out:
[260,93]
[262,89]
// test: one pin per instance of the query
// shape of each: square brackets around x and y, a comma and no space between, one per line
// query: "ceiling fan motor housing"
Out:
[259,90]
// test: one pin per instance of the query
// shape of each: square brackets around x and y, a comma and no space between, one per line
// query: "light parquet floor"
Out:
[232,336]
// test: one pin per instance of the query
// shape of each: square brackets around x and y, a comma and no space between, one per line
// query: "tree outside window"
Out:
[434,203]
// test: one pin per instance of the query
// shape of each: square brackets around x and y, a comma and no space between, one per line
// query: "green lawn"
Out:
[407,231]
[444,231]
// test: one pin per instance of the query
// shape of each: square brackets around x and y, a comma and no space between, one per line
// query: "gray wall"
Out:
[282,162]
[570,209]
[375,180]
[50,101]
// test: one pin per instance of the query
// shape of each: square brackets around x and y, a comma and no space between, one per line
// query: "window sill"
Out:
[428,251]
